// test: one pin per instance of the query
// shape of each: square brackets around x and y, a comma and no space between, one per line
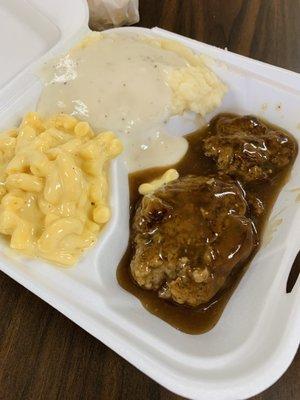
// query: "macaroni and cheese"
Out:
[54,186]
[169,176]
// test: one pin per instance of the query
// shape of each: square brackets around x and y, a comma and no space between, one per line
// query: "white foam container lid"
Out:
[258,333]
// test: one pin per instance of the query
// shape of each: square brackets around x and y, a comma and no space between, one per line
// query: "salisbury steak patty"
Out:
[188,236]
[247,149]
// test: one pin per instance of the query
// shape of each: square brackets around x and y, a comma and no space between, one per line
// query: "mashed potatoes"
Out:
[132,85]
[194,87]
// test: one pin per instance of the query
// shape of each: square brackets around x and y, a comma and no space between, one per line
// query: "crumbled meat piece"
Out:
[247,149]
[256,206]
[188,236]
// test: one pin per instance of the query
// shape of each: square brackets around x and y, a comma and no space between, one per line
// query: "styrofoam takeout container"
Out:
[258,334]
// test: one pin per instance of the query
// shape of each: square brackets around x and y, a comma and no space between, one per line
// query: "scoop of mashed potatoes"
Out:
[195,87]
[132,85]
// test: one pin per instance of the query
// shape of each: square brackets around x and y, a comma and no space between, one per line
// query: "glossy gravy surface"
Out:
[203,318]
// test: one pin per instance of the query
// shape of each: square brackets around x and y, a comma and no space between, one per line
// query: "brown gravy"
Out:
[203,318]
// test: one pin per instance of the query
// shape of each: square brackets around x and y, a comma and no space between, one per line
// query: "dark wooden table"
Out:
[45,356]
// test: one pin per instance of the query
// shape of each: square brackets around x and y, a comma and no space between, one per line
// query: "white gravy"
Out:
[118,83]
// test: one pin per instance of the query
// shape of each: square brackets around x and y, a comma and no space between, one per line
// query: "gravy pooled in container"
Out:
[132,85]
[192,238]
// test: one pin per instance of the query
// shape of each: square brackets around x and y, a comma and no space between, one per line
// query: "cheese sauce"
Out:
[118,83]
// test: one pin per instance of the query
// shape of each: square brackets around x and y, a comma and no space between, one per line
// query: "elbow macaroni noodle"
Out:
[53,186]
[169,176]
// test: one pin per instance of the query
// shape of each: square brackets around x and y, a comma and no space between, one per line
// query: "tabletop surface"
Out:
[43,355]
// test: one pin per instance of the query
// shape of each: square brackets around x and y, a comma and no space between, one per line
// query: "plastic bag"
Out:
[106,14]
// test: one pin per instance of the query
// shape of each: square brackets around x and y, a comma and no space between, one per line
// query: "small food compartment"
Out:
[256,336]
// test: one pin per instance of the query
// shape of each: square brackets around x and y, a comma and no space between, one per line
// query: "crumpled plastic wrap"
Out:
[106,14]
